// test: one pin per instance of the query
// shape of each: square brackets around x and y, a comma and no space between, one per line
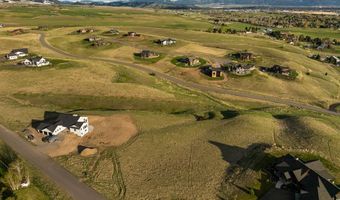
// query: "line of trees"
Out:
[321,43]
[274,20]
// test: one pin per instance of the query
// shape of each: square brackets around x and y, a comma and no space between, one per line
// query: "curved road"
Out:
[191,85]
[63,178]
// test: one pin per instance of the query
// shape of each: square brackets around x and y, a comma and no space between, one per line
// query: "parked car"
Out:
[50,139]
[30,137]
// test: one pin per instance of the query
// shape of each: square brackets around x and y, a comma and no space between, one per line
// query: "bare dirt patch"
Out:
[114,130]
[88,152]
[108,131]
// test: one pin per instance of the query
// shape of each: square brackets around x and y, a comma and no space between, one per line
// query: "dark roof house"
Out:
[113,32]
[148,54]
[214,71]
[54,123]
[190,61]
[302,181]
[239,69]
[93,38]
[132,34]
[22,50]
[242,55]
[277,69]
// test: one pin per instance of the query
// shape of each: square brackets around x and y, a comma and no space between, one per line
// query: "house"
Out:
[100,43]
[214,71]
[166,42]
[297,180]
[93,38]
[85,30]
[190,61]
[113,32]
[333,60]
[133,34]
[268,31]
[242,55]
[239,69]
[324,45]
[37,61]
[277,69]
[145,54]
[315,57]
[46,2]
[59,122]
[17,53]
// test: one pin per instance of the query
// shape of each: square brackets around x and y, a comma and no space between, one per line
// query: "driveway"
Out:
[59,175]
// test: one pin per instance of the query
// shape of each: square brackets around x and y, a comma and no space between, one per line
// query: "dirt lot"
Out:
[113,130]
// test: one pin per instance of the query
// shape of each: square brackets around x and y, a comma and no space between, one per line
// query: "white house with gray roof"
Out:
[17,53]
[35,62]
[60,122]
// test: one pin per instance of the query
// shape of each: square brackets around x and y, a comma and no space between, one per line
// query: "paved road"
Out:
[64,179]
[195,86]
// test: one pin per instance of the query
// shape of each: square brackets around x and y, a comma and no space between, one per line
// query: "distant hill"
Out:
[253,2]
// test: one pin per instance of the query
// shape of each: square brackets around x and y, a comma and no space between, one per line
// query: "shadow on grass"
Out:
[229,114]
[282,116]
[242,160]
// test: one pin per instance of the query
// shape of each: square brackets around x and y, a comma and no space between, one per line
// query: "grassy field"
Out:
[174,156]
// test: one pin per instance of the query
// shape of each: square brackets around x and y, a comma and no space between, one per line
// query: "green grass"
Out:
[337,108]
[30,193]
[87,16]
[85,102]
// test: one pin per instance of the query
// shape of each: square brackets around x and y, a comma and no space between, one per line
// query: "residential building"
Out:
[93,39]
[297,180]
[17,53]
[333,60]
[85,30]
[167,42]
[133,34]
[214,71]
[190,61]
[113,32]
[145,54]
[37,61]
[239,69]
[277,69]
[242,55]
[56,123]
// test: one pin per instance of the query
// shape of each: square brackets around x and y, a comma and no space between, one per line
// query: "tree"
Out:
[15,175]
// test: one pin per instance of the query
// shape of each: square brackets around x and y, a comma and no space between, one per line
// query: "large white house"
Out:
[17,53]
[36,62]
[59,122]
